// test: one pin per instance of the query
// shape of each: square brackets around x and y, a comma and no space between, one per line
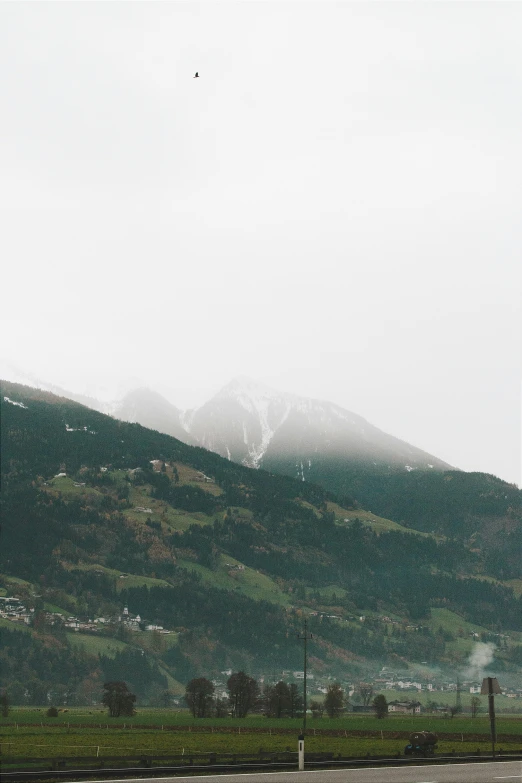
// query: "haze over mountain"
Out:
[250,423]
[261,427]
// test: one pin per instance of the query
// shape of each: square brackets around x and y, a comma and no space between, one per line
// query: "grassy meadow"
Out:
[51,743]
[81,732]
[157,717]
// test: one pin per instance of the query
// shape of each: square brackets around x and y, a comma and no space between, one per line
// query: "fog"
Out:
[332,207]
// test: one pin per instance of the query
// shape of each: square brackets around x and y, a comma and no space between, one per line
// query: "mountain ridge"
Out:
[258,426]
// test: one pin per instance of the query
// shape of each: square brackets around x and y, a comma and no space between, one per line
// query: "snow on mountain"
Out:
[261,427]
[250,423]
[240,421]
[269,407]
[13,402]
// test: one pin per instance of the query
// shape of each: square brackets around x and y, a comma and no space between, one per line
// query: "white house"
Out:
[413,707]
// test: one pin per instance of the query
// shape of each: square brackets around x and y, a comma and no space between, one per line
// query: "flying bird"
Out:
[196,75]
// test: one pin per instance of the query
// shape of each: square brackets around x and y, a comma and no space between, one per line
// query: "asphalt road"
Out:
[485,772]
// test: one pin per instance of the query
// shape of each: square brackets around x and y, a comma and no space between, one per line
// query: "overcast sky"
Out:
[333,207]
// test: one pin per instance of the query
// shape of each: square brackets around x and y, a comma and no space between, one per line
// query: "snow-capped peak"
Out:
[268,407]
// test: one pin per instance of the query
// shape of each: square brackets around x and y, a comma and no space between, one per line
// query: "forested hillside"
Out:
[219,561]
[477,508]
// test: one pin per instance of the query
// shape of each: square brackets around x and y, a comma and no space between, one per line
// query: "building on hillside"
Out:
[130,621]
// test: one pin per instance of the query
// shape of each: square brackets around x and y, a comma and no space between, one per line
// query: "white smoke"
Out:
[481,656]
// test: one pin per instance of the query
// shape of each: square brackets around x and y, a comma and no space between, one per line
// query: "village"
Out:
[438,694]
[12,609]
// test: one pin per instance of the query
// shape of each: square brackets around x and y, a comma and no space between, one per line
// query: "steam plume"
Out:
[480,657]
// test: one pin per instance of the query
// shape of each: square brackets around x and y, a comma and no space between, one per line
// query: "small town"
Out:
[386,679]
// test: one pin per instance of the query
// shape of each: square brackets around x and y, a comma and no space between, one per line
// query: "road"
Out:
[485,772]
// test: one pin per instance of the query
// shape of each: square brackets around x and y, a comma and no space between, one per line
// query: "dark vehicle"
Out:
[422,743]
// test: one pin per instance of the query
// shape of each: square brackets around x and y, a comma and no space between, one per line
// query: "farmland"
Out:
[60,741]
[50,743]
[89,736]
[150,717]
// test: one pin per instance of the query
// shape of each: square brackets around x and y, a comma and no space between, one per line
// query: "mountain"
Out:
[254,425]
[99,514]
[302,437]
[321,443]
[153,411]
[103,396]
[247,422]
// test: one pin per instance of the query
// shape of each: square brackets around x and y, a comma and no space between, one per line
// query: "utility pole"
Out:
[300,744]
[304,638]
[458,700]
[490,686]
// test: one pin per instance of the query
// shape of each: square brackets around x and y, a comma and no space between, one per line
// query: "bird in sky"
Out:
[196,75]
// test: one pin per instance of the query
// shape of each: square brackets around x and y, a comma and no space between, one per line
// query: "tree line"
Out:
[280,700]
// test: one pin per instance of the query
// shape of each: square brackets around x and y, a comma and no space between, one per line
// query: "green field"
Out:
[506,724]
[327,592]
[228,575]
[378,524]
[502,703]
[96,645]
[122,580]
[454,623]
[14,581]
[56,609]
[67,487]
[108,645]
[171,518]
[62,737]
[462,630]
[5,623]
[129,742]
[516,585]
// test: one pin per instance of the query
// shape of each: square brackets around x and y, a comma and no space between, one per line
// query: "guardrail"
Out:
[57,768]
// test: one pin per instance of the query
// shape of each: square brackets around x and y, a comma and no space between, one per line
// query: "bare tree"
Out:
[295,701]
[380,706]
[221,708]
[317,708]
[365,691]
[5,704]
[243,693]
[475,706]
[118,699]
[277,699]
[199,696]
[334,700]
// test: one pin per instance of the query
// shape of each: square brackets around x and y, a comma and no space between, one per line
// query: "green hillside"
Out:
[174,562]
